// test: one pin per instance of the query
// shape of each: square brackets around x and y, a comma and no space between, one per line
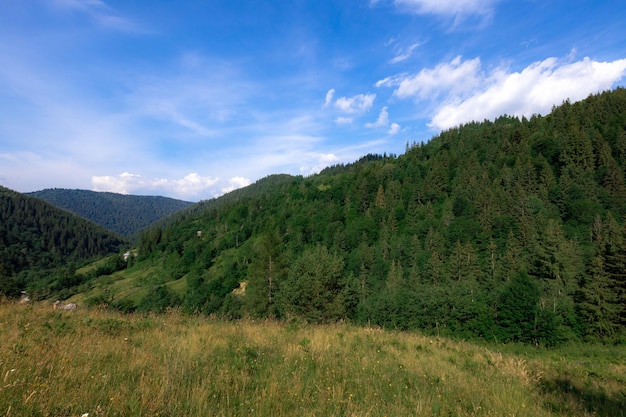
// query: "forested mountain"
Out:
[120,213]
[508,230]
[511,230]
[37,240]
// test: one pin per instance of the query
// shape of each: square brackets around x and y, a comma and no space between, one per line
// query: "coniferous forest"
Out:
[511,230]
[507,230]
[41,245]
[122,214]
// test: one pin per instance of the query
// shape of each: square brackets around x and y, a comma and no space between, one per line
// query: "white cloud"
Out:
[122,184]
[235,183]
[534,90]
[191,187]
[329,97]
[405,54]
[447,7]
[318,161]
[355,104]
[457,76]
[383,119]
[344,120]
[465,92]
[393,129]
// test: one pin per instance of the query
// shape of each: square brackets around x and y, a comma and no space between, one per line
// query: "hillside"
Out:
[38,242]
[102,363]
[511,230]
[120,213]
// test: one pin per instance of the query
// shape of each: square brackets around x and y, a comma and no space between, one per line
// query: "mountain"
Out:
[37,238]
[511,230]
[120,213]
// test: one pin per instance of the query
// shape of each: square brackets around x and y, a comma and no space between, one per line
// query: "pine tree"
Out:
[267,271]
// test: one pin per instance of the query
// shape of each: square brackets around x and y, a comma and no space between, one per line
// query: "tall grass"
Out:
[106,364]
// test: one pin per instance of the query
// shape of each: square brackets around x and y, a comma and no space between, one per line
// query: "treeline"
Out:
[40,245]
[122,214]
[506,230]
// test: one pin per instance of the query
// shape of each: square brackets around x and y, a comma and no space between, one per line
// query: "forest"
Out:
[41,245]
[504,230]
[122,214]
[507,230]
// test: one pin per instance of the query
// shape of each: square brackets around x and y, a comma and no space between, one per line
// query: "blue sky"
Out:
[191,99]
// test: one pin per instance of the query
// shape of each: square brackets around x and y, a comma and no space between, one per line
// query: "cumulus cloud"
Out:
[191,187]
[468,93]
[318,161]
[360,103]
[236,183]
[534,90]
[383,119]
[349,106]
[456,76]
[393,129]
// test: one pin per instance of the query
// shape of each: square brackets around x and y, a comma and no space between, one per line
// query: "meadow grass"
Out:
[104,363]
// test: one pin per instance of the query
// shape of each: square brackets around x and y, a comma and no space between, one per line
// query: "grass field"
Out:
[55,363]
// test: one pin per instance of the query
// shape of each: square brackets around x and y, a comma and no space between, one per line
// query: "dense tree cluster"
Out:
[39,243]
[510,230]
[122,214]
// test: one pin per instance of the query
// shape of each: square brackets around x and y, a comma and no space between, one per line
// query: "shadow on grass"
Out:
[565,396]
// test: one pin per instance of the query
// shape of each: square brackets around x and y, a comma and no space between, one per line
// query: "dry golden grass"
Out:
[106,364]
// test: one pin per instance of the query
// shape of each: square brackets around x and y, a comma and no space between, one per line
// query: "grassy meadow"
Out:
[58,363]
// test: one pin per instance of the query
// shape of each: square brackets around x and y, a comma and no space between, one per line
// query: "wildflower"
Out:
[85,415]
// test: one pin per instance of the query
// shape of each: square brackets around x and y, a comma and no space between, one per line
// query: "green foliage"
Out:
[314,290]
[508,229]
[40,245]
[267,271]
[482,232]
[518,310]
[158,300]
[122,214]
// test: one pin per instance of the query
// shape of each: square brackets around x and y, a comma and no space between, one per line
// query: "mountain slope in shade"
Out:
[36,236]
[120,213]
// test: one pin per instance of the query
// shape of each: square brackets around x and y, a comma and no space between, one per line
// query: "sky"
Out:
[192,99]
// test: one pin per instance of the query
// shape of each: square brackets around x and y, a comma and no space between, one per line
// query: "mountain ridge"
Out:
[123,214]
[39,242]
[512,230]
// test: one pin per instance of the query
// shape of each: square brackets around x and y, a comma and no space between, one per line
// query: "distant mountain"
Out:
[120,213]
[35,237]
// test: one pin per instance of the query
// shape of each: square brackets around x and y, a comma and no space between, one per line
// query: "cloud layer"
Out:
[192,186]
[461,91]
[145,98]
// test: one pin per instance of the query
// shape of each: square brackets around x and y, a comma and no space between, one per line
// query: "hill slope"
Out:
[122,214]
[102,363]
[36,237]
[508,230]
